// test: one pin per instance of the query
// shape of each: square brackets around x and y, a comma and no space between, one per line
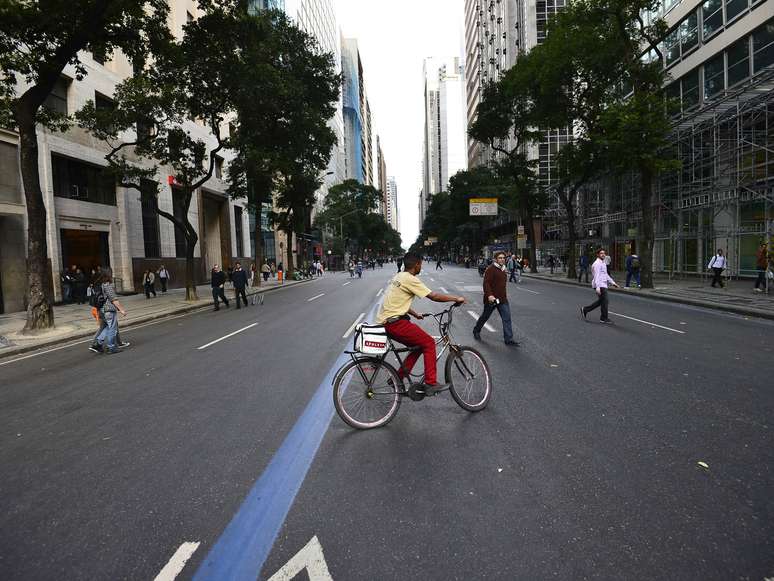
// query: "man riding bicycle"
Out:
[394,315]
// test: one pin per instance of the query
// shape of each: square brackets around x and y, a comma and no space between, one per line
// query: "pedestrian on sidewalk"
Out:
[583,264]
[106,296]
[717,265]
[608,264]
[351,267]
[399,263]
[163,278]
[265,271]
[148,281]
[239,278]
[438,265]
[67,280]
[632,269]
[551,262]
[496,297]
[599,282]
[79,286]
[513,269]
[218,283]
[761,262]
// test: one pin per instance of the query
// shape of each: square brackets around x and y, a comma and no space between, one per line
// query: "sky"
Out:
[394,37]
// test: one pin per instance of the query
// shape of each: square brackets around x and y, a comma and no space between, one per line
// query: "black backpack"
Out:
[97,298]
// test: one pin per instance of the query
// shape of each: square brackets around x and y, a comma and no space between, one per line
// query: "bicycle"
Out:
[367,391]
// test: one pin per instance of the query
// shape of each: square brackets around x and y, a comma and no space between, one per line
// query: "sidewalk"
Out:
[76,322]
[737,297]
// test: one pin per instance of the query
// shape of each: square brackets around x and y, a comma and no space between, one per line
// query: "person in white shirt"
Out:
[717,265]
[600,283]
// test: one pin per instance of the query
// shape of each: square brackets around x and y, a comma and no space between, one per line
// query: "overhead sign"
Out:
[483,206]
[520,230]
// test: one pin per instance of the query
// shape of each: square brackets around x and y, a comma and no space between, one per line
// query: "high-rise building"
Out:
[354,143]
[382,186]
[392,202]
[444,148]
[493,37]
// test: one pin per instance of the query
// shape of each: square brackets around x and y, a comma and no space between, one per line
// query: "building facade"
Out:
[91,221]
[445,132]
[392,203]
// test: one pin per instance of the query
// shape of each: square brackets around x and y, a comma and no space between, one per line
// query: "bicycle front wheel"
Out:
[366,394]
[469,378]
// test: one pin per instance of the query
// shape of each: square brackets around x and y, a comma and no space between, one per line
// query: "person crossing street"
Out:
[239,278]
[599,282]
[496,297]
[218,282]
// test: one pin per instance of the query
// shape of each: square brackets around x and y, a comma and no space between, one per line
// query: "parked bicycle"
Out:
[368,390]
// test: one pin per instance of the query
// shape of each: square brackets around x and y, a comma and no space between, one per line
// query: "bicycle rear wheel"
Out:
[366,394]
[469,378]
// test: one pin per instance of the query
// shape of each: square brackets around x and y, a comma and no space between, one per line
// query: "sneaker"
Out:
[113,352]
[431,388]
[124,344]
[583,312]
[96,347]
[515,343]
[606,321]
[757,290]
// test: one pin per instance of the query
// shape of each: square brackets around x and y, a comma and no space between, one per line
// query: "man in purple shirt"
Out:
[599,283]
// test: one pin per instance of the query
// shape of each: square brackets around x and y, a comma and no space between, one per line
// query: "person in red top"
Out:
[496,297]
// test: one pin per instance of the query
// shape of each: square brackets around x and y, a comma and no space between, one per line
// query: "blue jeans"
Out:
[632,274]
[107,337]
[505,314]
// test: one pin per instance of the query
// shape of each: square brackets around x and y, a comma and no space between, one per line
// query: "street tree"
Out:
[38,41]
[505,122]
[151,129]
[287,91]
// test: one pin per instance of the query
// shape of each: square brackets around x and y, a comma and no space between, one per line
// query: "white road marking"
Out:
[648,323]
[346,283]
[177,562]
[444,290]
[458,282]
[352,327]
[311,558]
[82,341]
[487,326]
[381,290]
[527,290]
[314,298]
[226,337]
[432,279]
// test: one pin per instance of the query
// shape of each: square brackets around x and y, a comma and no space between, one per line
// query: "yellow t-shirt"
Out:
[397,300]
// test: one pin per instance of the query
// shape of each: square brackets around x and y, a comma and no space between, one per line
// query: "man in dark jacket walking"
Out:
[218,282]
[239,278]
[496,297]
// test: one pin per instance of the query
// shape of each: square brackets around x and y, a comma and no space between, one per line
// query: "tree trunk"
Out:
[190,275]
[533,247]
[258,244]
[40,295]
[289,266]
[572,234]
[646,228]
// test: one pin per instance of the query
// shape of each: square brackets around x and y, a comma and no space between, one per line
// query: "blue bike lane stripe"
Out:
[245,544]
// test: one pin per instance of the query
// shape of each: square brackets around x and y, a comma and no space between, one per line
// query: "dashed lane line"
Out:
[226,336]
[444,290]
[381,290]
[172,569]
[346,283]
[352,326]
[487,326]
[648,323]
[526,290]
[314,298]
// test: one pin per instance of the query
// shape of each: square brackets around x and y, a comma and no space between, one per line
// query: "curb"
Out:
[751,312]
[13,351]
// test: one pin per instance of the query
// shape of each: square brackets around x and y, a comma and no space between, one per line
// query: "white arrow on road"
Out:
[310,558]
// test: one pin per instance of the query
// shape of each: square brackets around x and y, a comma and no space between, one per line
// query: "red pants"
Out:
[412,335]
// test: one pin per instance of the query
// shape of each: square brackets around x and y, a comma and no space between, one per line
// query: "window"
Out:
[150,219]
[690,86]
[672,47]
[689,33]
[672,93]
[218,167]
[82,181]
[739,62]
[239,230]
[180,213]
[711,17]
[763,46]
[57,99]
[102,103]
[734,8]
[713,77]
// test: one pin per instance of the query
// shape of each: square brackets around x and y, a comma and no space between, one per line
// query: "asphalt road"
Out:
[584,465]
